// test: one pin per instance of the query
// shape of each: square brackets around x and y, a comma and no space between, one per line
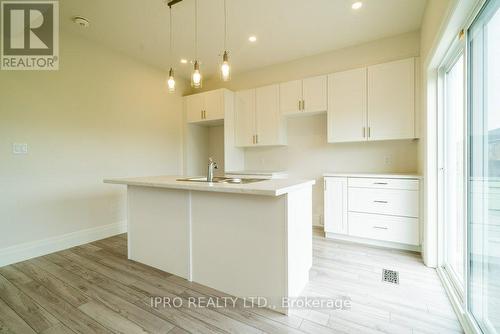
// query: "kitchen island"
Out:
[247,240]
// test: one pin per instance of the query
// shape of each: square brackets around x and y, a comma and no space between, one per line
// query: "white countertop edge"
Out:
[377,175]
[217,187]
[256,172]
[289,189]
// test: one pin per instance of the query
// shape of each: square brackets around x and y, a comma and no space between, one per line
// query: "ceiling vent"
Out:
[81,21]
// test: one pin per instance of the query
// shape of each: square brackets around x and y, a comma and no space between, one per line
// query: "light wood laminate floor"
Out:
[94,289]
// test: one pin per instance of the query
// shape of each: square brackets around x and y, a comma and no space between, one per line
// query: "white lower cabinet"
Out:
[394,202]
[377,210]
[336,205]
[382,227]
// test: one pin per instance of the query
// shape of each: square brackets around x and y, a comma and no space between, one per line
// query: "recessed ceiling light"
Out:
[357,5]
[252,38]
[184,61]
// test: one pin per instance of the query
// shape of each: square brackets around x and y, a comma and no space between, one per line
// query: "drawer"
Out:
[384,201]
[386,228]
[404,184]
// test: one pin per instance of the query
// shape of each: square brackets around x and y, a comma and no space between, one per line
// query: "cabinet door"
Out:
[336,205]
[314,94]
[290,95]
[194,107]
[214,109]
[347,106]
[245,117]
[391,100]
[268,118]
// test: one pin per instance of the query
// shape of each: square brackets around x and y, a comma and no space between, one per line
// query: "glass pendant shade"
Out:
[225,68]
[196,78]
[171,81]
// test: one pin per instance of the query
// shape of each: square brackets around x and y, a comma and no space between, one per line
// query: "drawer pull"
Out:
[384,202]
[382,183]
[380,227]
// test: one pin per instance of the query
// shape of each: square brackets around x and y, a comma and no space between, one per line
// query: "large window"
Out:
[484,169]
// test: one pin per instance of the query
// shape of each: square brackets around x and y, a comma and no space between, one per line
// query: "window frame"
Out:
[456,50]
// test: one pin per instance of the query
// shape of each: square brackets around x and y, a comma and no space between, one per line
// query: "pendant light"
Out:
[196,77]
[225,68]
[171,79]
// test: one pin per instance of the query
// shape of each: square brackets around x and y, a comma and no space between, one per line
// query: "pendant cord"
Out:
[171,37]
[196,29]
[225,25]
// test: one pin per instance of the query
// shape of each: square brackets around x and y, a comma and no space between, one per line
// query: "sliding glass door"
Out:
[483,198]
[452,154]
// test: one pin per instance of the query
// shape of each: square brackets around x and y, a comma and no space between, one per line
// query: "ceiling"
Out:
[285,29]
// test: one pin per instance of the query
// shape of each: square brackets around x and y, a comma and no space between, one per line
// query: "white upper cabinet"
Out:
[374,103]
[303,96]
[214,108]
[290,94]
[245,117]
[194,107]
[270,126]
[207,106]
[258,120]
[314,94]
[391,100]
[347,111]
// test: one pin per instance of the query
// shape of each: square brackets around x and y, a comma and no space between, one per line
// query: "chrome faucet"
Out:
[210,172]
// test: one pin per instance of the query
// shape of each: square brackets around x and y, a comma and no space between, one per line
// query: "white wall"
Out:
[216,147]
[308,155]
[102,114]
[201,143]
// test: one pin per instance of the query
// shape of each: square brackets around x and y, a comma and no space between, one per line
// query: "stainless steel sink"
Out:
[230,180]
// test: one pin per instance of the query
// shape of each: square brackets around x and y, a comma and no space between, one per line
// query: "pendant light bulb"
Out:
[225,69]
[196,78]
[171,81]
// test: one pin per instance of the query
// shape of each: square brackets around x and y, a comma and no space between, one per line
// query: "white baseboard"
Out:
[371,242]
[33,249]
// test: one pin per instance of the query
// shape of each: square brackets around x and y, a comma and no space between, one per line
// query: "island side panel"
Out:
[299,228]
[239,244]
[158,228]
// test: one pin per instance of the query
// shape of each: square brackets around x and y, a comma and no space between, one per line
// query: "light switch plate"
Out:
[20,148]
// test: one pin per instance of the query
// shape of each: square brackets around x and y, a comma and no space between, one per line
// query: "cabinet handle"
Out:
[204,114]
[369,132]
[256,139]
[300,105]
[363,131]
[383,183]
[253,139]
[201,114]
[303,105]
[380,227]
[383,202]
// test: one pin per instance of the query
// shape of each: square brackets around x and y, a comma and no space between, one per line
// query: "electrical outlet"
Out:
[20,148]
[388,159]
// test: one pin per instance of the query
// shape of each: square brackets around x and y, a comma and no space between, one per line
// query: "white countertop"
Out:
[377,175]
[274,187]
